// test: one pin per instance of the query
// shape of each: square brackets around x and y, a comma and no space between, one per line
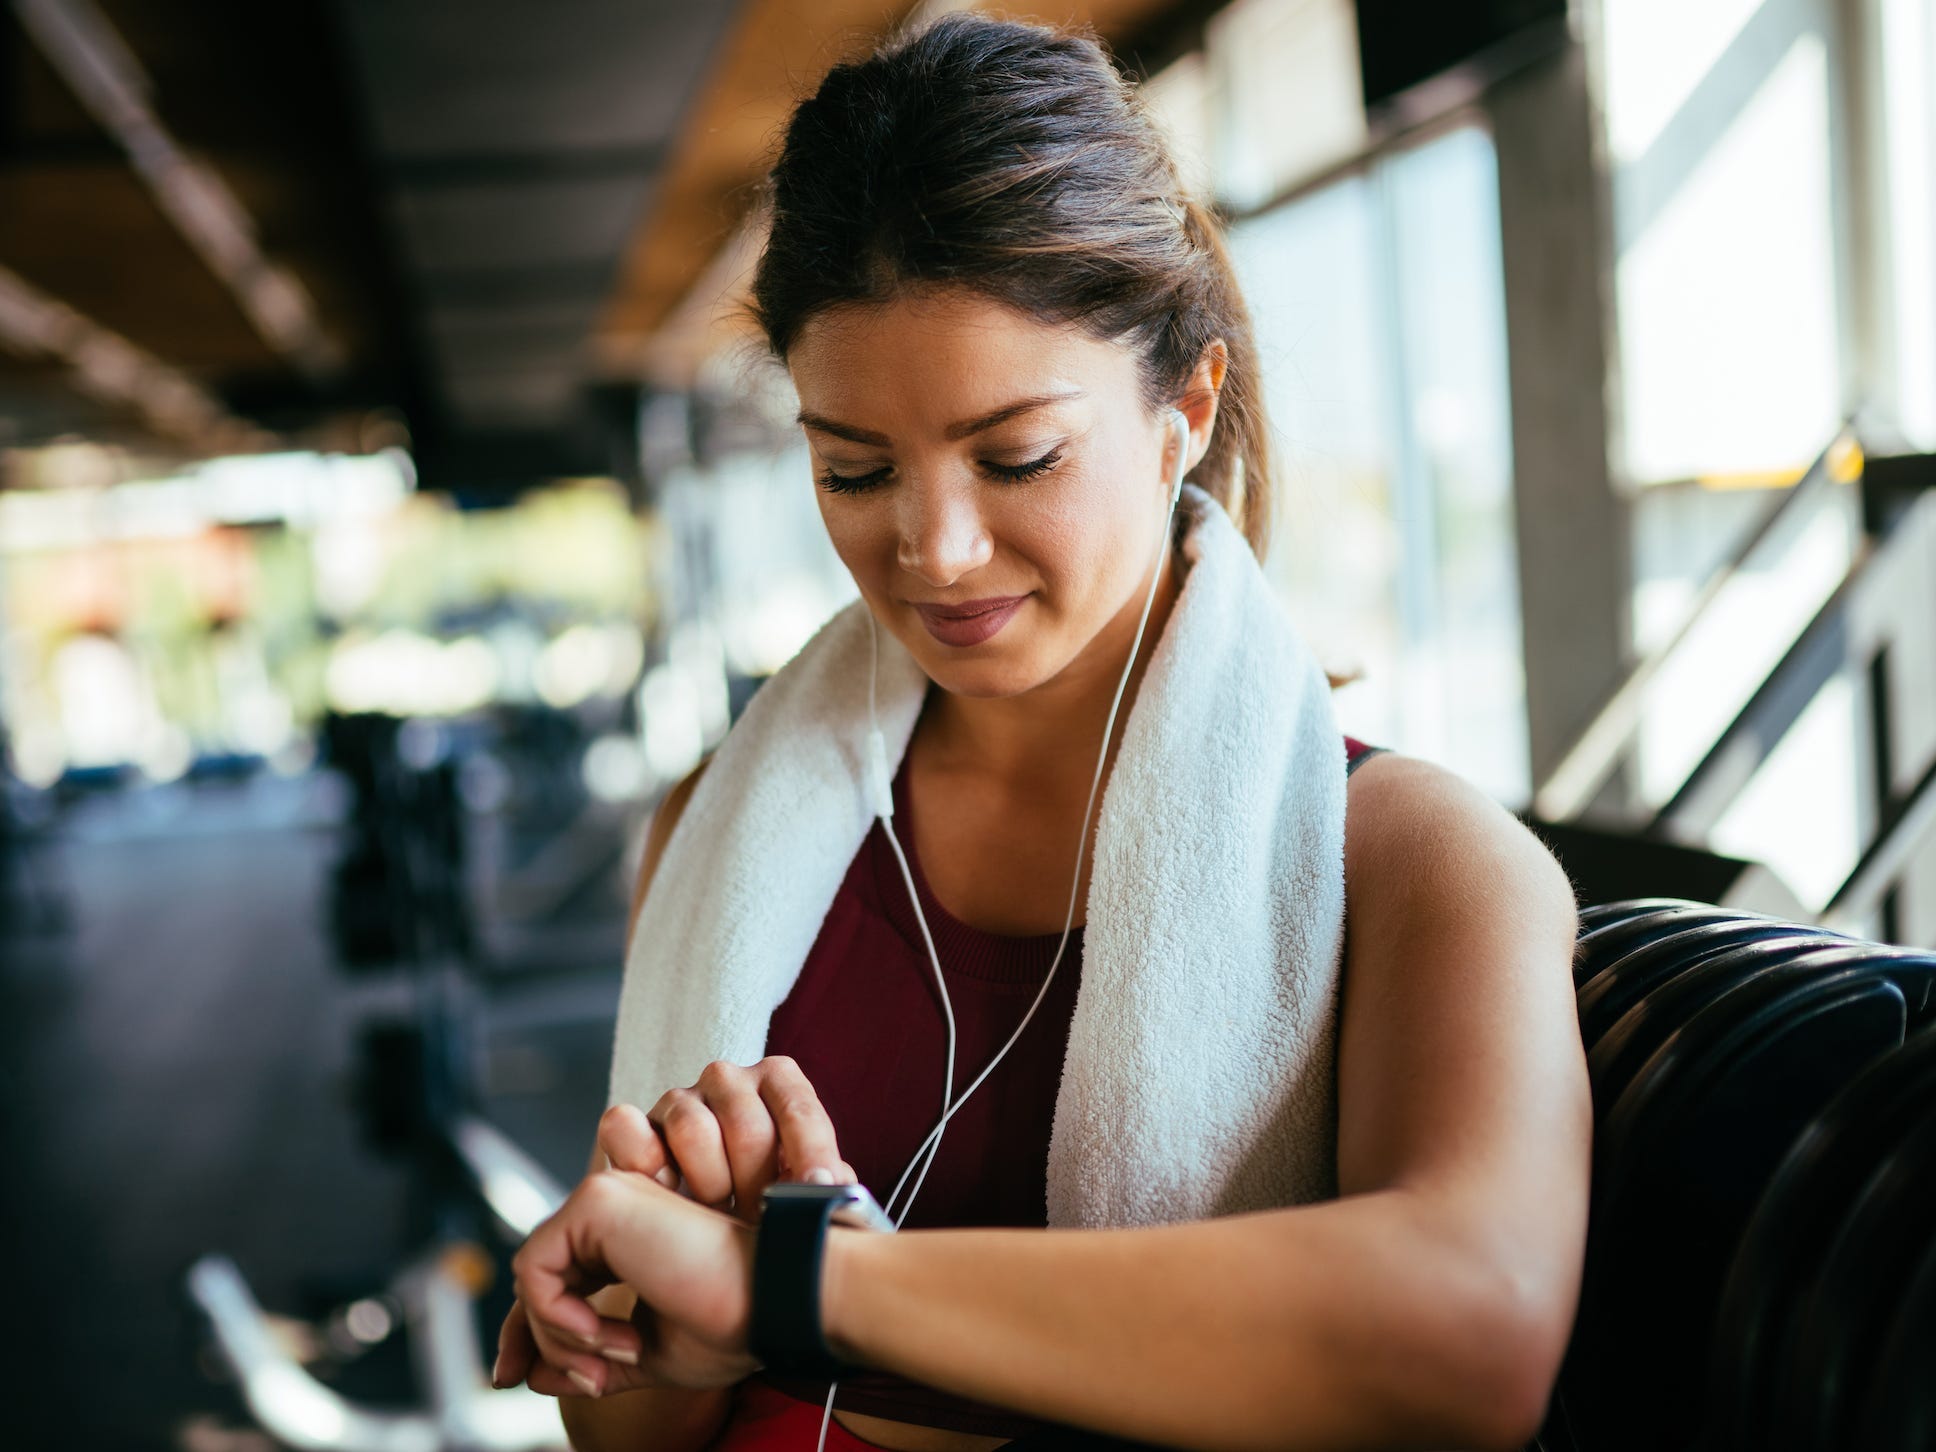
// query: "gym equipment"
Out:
[1758,1274]
[1607,940]
[436,1293]
[1605,914]
[1793,1226]
[1684,1154]
[398,903]
[1898,1411]
[1619,1054]
[1605,998]
[1847,1298]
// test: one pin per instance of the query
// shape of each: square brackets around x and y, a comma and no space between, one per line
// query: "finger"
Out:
[519,1356]
[548,1380]
[630,1142]
[576,1371]
[584,1377]
[844,1172]
[752,1141]
[560,1343]
[560,1264]
[517,1351]
[692,1134]
[561,1271]
[619,1341]
[583,1372]
[805,1129]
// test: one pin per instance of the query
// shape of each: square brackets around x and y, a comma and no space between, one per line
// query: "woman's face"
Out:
[964,453]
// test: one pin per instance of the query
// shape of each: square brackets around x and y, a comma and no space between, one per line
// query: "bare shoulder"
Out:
[1417,831]
[672,806]
[1458,1040]
[659,831]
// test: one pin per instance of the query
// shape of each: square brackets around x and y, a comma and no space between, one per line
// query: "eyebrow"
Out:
[967,427]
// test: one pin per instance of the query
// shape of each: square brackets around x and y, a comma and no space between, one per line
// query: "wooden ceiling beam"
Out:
[85,48]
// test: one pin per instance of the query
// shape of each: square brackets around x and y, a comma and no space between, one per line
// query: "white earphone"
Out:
[880,788]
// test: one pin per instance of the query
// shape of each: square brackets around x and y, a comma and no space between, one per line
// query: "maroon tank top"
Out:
[864,1021]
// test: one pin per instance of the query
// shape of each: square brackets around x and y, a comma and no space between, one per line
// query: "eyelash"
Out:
[1013,473]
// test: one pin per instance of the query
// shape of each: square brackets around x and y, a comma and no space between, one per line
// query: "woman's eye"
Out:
[837,483]
[850,483]
[1030,470]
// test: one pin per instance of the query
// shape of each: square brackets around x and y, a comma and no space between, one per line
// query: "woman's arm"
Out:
[1429,1305]
[664,1419]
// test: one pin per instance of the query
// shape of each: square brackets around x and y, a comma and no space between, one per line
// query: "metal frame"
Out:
[465,1414]
[1612,733]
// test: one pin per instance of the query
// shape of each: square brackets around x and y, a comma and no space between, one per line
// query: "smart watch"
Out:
[789,1251]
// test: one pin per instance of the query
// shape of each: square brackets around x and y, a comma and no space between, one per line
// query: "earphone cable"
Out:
[884,799]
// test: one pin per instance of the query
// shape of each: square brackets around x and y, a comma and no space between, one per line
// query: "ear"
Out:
[1199,400]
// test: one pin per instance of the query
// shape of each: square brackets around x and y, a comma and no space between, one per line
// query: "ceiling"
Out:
[229,225]
[515,159]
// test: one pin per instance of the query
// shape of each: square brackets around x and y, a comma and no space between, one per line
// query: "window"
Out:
[1381,325]
[1721,133]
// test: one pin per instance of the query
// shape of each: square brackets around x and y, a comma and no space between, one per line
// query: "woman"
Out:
[990,292]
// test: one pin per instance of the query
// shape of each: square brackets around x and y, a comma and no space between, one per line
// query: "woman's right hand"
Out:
[737,1130]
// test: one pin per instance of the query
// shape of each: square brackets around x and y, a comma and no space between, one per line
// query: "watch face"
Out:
[862,1211]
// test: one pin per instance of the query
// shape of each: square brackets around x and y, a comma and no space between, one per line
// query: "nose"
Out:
[942,534]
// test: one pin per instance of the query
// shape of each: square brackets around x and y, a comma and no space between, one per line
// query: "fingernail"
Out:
[820,1175]
[584,1383]
[668,1177]
[624,1355]
[497,1372]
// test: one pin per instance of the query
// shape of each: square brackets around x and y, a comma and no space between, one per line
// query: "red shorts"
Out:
[767,1420]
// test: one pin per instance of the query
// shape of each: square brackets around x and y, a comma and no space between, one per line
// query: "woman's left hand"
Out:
[690,1266]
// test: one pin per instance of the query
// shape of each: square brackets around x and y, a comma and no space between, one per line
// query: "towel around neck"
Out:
[1199,1077]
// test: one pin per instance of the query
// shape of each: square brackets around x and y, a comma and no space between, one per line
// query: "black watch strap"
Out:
[789,1252]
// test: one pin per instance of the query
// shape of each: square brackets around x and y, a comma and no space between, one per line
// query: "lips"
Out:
[972,621]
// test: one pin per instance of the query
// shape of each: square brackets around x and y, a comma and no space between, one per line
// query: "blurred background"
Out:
[391,508]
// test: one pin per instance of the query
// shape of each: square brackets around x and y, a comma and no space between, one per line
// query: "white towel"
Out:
[1199,1078]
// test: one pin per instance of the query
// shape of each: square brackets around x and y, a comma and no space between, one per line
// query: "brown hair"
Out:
[1014,160]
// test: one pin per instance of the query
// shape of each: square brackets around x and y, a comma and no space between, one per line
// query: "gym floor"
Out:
[177,1068]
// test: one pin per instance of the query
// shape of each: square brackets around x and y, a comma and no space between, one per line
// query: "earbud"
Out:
[1180,426]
